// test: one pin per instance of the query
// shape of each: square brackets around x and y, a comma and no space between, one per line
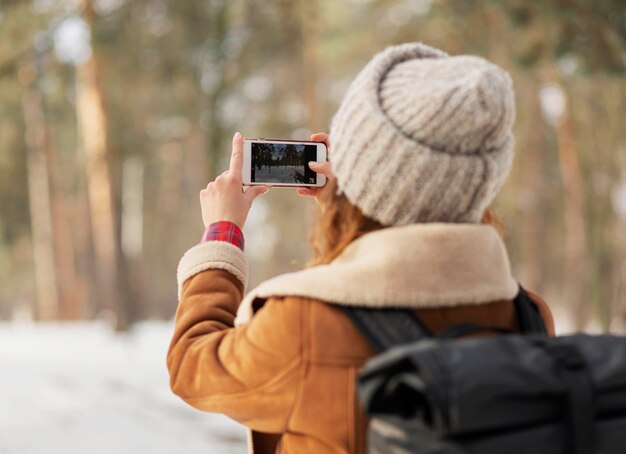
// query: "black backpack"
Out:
[509,394]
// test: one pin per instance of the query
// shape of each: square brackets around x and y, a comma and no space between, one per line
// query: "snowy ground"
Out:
[80,388]
[279,174]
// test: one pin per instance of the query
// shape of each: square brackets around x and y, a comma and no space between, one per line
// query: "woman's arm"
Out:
[250,372]
[244,372]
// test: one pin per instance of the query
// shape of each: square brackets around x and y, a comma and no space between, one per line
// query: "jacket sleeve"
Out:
[249,373]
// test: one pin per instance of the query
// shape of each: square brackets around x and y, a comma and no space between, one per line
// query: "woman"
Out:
[421,144]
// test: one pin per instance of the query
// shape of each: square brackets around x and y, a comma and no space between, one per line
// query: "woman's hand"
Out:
[318,167]
[224,199]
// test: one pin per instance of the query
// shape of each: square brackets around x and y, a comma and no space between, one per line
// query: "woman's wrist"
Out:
[224,231]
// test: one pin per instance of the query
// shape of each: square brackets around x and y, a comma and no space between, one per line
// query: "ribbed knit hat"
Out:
[424,137]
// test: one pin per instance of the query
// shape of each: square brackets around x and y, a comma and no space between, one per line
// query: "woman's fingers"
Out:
[322,167]
[254,191]
[319,167]
[307,192]
[236,157]
[224,198]
[222,175]
[320,137]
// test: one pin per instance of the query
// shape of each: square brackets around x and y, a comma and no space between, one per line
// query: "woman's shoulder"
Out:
[327,333]
[544,310]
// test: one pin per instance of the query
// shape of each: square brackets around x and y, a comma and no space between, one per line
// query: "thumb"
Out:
[321,167]
[255,191]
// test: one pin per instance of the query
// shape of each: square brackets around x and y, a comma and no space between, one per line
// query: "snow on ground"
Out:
[76,388]
[278,174]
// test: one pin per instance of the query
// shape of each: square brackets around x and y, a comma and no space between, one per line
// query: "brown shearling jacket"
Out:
[288,373]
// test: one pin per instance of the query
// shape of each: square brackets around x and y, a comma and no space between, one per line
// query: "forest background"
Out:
[115,113]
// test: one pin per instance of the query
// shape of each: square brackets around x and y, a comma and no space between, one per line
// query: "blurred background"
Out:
[115,113]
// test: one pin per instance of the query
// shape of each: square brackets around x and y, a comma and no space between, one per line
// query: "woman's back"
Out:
[291,369]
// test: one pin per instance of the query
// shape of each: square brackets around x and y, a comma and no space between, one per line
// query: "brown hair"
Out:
[339,222]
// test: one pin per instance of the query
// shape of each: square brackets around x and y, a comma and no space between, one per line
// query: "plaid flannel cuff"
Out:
[224,231]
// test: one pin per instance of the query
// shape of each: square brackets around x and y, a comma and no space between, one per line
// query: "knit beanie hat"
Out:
[424,137]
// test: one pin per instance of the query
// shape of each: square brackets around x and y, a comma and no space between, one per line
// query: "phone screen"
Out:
[282,163]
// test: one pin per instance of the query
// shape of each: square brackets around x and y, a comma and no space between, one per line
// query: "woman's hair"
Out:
[339,222]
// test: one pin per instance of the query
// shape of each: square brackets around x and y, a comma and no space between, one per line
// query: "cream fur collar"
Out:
[417,266]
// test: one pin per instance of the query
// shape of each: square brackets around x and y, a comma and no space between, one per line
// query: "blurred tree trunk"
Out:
[86,290]
[533,189]
[215,132]
[47,306]
[111,266]
[71,301]
[311,63]
[52,237]
[576,257]
[606,229]
[615,100]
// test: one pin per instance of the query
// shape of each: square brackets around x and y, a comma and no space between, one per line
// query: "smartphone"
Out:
[270,162]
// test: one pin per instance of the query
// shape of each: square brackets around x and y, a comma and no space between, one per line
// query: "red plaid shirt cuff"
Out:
[224,231]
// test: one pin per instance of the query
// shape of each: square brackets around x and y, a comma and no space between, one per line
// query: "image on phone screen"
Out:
[282,163]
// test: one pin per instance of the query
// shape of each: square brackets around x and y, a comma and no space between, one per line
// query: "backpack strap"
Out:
[528,315]
[579,395]
[384,328]
[467,328]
